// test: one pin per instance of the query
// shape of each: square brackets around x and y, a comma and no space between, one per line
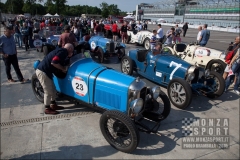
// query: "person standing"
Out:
[9,54]
[170,36]
[67,37]
[75,30]
[25,35]
[199,33]
[54,61]
[114,31]
[205,35]
[160,33]
[177,30]
[18,34]
[185,28]
[133,25]
[153,39]
[145,26]
[123,32]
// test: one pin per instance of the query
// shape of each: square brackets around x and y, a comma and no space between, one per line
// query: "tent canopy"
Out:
[20,15]
[129,17]
[48,15]
[56,15]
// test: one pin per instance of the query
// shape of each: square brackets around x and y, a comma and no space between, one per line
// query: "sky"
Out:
[124,5]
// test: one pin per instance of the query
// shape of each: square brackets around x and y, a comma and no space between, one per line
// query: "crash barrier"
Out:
[214,28]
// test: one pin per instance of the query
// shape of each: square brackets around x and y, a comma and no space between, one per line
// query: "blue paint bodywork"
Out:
[101,42]
[107,88]
[157,68]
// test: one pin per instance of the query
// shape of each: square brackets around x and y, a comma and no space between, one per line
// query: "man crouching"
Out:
[55,60]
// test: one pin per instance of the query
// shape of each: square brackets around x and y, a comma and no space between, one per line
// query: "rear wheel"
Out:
[146,43]
[127,65]
[119,131]
[216,82]
[217,66]
[179,93]
[37,88]
[100,55]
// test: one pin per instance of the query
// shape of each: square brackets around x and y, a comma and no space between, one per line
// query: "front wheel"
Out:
[160,107]
[179,93]
[127,65]
[100,55]
[119,131]
[121,53]
[37,88]
[217,84]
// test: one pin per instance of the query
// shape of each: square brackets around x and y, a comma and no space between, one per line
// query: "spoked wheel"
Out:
[217,66]
[179,93]
[127,65]
[216,82]
[37,88]
[119,130]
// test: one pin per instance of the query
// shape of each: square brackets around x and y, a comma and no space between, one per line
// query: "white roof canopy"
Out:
[56,15]
[48,15]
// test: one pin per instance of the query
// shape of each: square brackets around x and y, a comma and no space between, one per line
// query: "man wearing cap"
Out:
[67,37]
[8,50]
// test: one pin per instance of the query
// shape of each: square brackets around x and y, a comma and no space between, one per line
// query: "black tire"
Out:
[37,88]
[100,55]
[146,44]
[121,52]
[219,68]
[123,127]
[176,85]
[219,87]
[127,65]
[162,107]
[45,50]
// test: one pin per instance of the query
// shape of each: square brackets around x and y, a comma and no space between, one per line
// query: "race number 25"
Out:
[177,65]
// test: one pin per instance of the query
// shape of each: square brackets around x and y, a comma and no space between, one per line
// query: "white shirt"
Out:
[198,36]
[160,33]
[92,24]
[139,27]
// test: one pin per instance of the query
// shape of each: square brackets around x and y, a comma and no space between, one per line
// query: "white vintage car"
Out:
[140,37]
[202,56]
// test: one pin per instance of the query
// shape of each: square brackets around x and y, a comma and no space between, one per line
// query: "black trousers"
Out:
[184,32]
[12,60]
[25,40]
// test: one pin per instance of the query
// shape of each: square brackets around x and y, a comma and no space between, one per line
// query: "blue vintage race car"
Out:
[126,100]
[104,47]
[51,36]
[180,77]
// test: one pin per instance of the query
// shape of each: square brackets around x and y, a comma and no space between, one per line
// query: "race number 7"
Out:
[175,69]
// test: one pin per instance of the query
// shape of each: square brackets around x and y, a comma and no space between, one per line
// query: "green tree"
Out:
[113,9]
[105,13]
[59,5]
[14,6]
[50,7]
[2,7]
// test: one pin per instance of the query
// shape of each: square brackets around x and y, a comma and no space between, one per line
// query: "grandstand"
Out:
[224,13]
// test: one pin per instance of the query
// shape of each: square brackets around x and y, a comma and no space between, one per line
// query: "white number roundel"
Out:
[79,86]
[37,43]
[93,45]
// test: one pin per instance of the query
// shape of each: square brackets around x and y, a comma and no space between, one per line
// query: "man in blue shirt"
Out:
[205,35]
[53,62]
[9,54]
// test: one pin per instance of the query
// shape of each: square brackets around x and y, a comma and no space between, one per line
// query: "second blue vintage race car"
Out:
[125,100]
[104,47]
[181,78]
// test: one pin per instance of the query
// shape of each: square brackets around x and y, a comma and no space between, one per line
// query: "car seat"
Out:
[180,47]
[141,55]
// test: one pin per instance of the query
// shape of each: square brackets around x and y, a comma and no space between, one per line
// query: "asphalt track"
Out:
[78,135]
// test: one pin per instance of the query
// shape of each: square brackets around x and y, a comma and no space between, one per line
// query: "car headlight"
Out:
[155,92]
[190,76]
[207,72]
[54,42]
[136,105]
